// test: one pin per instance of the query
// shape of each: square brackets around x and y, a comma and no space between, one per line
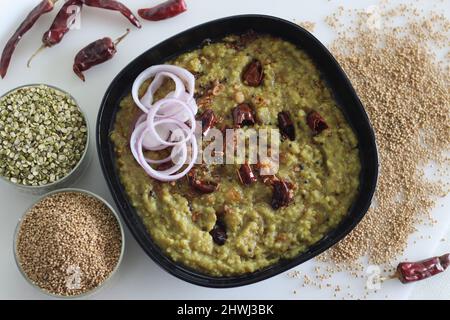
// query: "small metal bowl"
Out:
[74,174]
[107,280]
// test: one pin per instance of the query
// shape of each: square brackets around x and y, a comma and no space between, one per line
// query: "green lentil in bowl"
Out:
[44,138]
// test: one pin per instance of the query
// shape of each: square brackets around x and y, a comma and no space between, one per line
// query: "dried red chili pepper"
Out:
[62,22]
[286,125]
[219,232]
[316,122]
[208,119]
[243,115]
[115,6]
[44,7]
[415,271]
[164,10]
[246,175]
[95,53]
[283,194]
[253,74]
[60,26]
[200,185]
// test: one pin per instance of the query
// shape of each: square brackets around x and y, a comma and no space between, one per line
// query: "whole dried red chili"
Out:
[246,175]
[243,115]
[164,10]
[208,119]
[200,185]
[283,194]
[286,125]
[62,22]
[316,123]
[115,6]
[95,53]
[43,7]
[253,74]
[60,26]
[415,271]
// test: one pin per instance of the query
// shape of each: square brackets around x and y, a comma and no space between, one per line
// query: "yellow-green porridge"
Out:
[243,221]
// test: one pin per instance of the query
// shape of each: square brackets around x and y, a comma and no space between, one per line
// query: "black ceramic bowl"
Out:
[332,73]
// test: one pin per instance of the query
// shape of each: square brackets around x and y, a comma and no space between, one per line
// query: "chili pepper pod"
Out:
[165,10]
[43,7]
[62,22]
[115,6]
[60,26]
[415,271]
[95,53]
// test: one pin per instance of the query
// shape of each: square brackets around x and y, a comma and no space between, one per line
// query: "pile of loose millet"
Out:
[405,89]
[43,135]
[69,243]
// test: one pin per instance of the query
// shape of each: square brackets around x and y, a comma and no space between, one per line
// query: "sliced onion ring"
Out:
[169,122]
[187,77]
[134,146]
[147,99]
[151,123]
[164,175]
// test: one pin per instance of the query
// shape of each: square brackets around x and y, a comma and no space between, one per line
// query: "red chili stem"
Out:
[44,7]
[119,39]
[115,6]
[165,10]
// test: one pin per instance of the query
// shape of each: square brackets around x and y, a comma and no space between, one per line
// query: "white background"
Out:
[139,277]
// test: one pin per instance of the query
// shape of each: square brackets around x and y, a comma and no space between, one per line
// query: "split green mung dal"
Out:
[43,135]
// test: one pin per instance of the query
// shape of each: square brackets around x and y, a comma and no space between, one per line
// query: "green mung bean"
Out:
[43,135]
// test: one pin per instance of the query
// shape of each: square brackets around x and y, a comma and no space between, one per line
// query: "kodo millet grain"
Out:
[405,89]
[68,243]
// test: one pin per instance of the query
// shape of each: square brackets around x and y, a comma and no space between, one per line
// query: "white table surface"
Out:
[139,277]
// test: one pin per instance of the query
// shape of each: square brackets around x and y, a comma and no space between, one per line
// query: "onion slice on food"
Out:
[168,122]
[166,175]
[147,99]
[151,123]
[187,78]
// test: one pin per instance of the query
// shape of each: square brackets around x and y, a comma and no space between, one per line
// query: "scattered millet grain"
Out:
[403,83]
[405,90]
[294,274]
[68,237]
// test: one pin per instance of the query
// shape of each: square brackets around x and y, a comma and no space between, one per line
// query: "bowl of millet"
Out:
[44,138]
[69,244]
